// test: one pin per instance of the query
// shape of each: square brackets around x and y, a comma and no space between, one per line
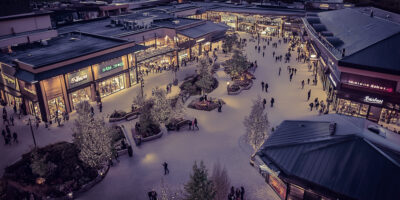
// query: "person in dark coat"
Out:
[166,170]
[262,86]
[100,106]
[195,124]
[308,95]
[3,132]
[264,102]
[266,87]
[241,193]
[12,120]
[15,137]
[272,102]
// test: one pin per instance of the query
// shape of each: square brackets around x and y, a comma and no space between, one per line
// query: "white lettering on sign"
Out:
[375,100]
[373,86]
[79,78]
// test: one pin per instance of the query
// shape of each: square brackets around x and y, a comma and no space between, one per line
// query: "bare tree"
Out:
[256,125]
[221,181]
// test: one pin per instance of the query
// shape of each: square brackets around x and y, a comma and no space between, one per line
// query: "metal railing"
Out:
[337,53]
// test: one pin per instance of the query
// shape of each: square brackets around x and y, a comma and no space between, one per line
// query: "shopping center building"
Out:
[357,57]
[48,75]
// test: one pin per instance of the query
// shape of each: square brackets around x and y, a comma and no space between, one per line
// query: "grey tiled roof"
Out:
[345,163]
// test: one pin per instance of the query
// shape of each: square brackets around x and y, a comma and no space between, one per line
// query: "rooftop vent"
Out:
[332,128]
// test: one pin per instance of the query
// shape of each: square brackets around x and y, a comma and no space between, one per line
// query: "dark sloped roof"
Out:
[198,31]
[344,164]
[30,77]
[381,57]
[357,30]
[306,130]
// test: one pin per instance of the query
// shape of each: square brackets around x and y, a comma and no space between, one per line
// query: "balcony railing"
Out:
[337,53]
[153,53]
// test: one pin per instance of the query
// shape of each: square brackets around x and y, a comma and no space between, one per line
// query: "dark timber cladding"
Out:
[344,165]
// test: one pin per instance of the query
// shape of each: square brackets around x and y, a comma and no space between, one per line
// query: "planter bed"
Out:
[63,178]
[138,138]
[205,105]
[177,124]
[127,116]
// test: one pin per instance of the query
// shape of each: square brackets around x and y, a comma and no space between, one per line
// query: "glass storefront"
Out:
[133,76]
[388,117]
[112,85]
[79,96]
[348,107]
[11,100]
[34,109]
[56,107]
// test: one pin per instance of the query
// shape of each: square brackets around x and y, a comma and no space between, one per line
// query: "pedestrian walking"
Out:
[263,54]
[15,137]
[237,194]
[311,106]
[295,70]
[8,129]
[302,84]
[195,124]
[279,73]
[308,95]
[166,170]
[264,102]
[241,193]
[12,120]
[262,86]
[190,125]
[272,102]
[8,138]
[92,110]
[3,133]
[308,81]
[290,78]
[266,87]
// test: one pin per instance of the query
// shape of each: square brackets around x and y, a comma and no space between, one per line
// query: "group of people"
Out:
[237,194]
[193,124]
[7,136]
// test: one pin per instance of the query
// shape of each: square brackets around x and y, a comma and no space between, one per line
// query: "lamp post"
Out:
[141,85]
[33,135]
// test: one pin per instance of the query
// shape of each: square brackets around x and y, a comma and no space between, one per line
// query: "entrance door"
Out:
[374,113]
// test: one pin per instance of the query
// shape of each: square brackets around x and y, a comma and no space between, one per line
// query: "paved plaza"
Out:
[220,138]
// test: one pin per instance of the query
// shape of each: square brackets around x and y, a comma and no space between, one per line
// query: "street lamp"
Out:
[141,85]
[33,135]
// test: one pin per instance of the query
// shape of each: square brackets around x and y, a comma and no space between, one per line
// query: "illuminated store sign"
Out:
[30,91]
[111,67]
[374,100]
[201,40]
[79,78]
[372,86]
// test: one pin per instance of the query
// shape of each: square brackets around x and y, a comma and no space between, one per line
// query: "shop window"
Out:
[278,186]
[56,107]
[112,85]
[80,96]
